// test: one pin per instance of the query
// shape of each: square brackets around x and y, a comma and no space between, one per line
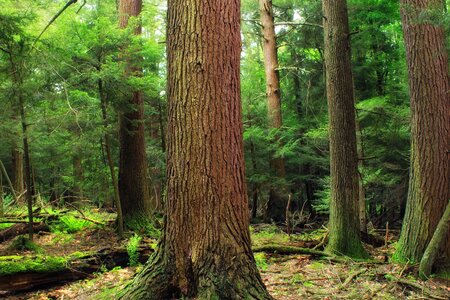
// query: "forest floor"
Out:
[287,277]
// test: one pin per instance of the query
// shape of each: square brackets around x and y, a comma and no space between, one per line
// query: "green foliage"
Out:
[132,249]
[261,261]
[5,225]
[71,224]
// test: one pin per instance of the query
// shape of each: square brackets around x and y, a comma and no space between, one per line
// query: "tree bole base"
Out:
[161,280]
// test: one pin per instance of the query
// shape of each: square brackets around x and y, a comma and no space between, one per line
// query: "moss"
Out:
[398,256]
[20,264]
[5,225]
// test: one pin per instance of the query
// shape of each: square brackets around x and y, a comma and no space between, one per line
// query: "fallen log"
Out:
[372,239]
[290,250]
[71,270]
[21,228]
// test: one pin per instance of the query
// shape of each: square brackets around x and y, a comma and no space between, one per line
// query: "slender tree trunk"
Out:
[2,209]
[344,235]
[427,59]
[133,185]
[276,205]
[435,244]
[77,164]
[104,105]
[255,187]
[361,190]
[205,251]
[29,196]
[17,174]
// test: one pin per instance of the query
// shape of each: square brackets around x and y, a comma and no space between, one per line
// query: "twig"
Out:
[413,285]
[84,217]
[352,276]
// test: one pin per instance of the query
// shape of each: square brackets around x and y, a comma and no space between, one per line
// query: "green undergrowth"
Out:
[261,260]
[132,249]
[144,225]
[443,274]
[70,224]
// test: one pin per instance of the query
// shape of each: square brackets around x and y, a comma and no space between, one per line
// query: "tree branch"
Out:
[69,3]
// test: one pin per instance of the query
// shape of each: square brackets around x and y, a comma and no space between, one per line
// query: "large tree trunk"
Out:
[276,205]
[429,182]
[205,251]
[344,235]
[133,186]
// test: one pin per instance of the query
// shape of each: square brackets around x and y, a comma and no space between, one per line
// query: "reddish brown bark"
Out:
[133,186]
[205,252]
[344,235]
[429,87]
[276,205]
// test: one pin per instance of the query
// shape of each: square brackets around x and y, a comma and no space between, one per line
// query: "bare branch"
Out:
[69,3]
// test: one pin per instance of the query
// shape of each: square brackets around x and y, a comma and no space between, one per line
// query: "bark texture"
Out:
[344,235]
[276,205]
[429,87]
[17,174]
[430,255]
[133,185]
[205,251]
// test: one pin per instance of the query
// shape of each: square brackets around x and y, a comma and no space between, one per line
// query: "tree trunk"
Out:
[276,205]
[205,251]
[361,190]
[436,242]
[133,186]
[29,196]
[117,203]
[344,235]
[17,174]
[429,182]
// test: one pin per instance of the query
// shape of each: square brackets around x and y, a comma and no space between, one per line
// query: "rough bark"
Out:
[276,204]
[133,186]
[205,251]
[427,60]
[361,190]
[344,235]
